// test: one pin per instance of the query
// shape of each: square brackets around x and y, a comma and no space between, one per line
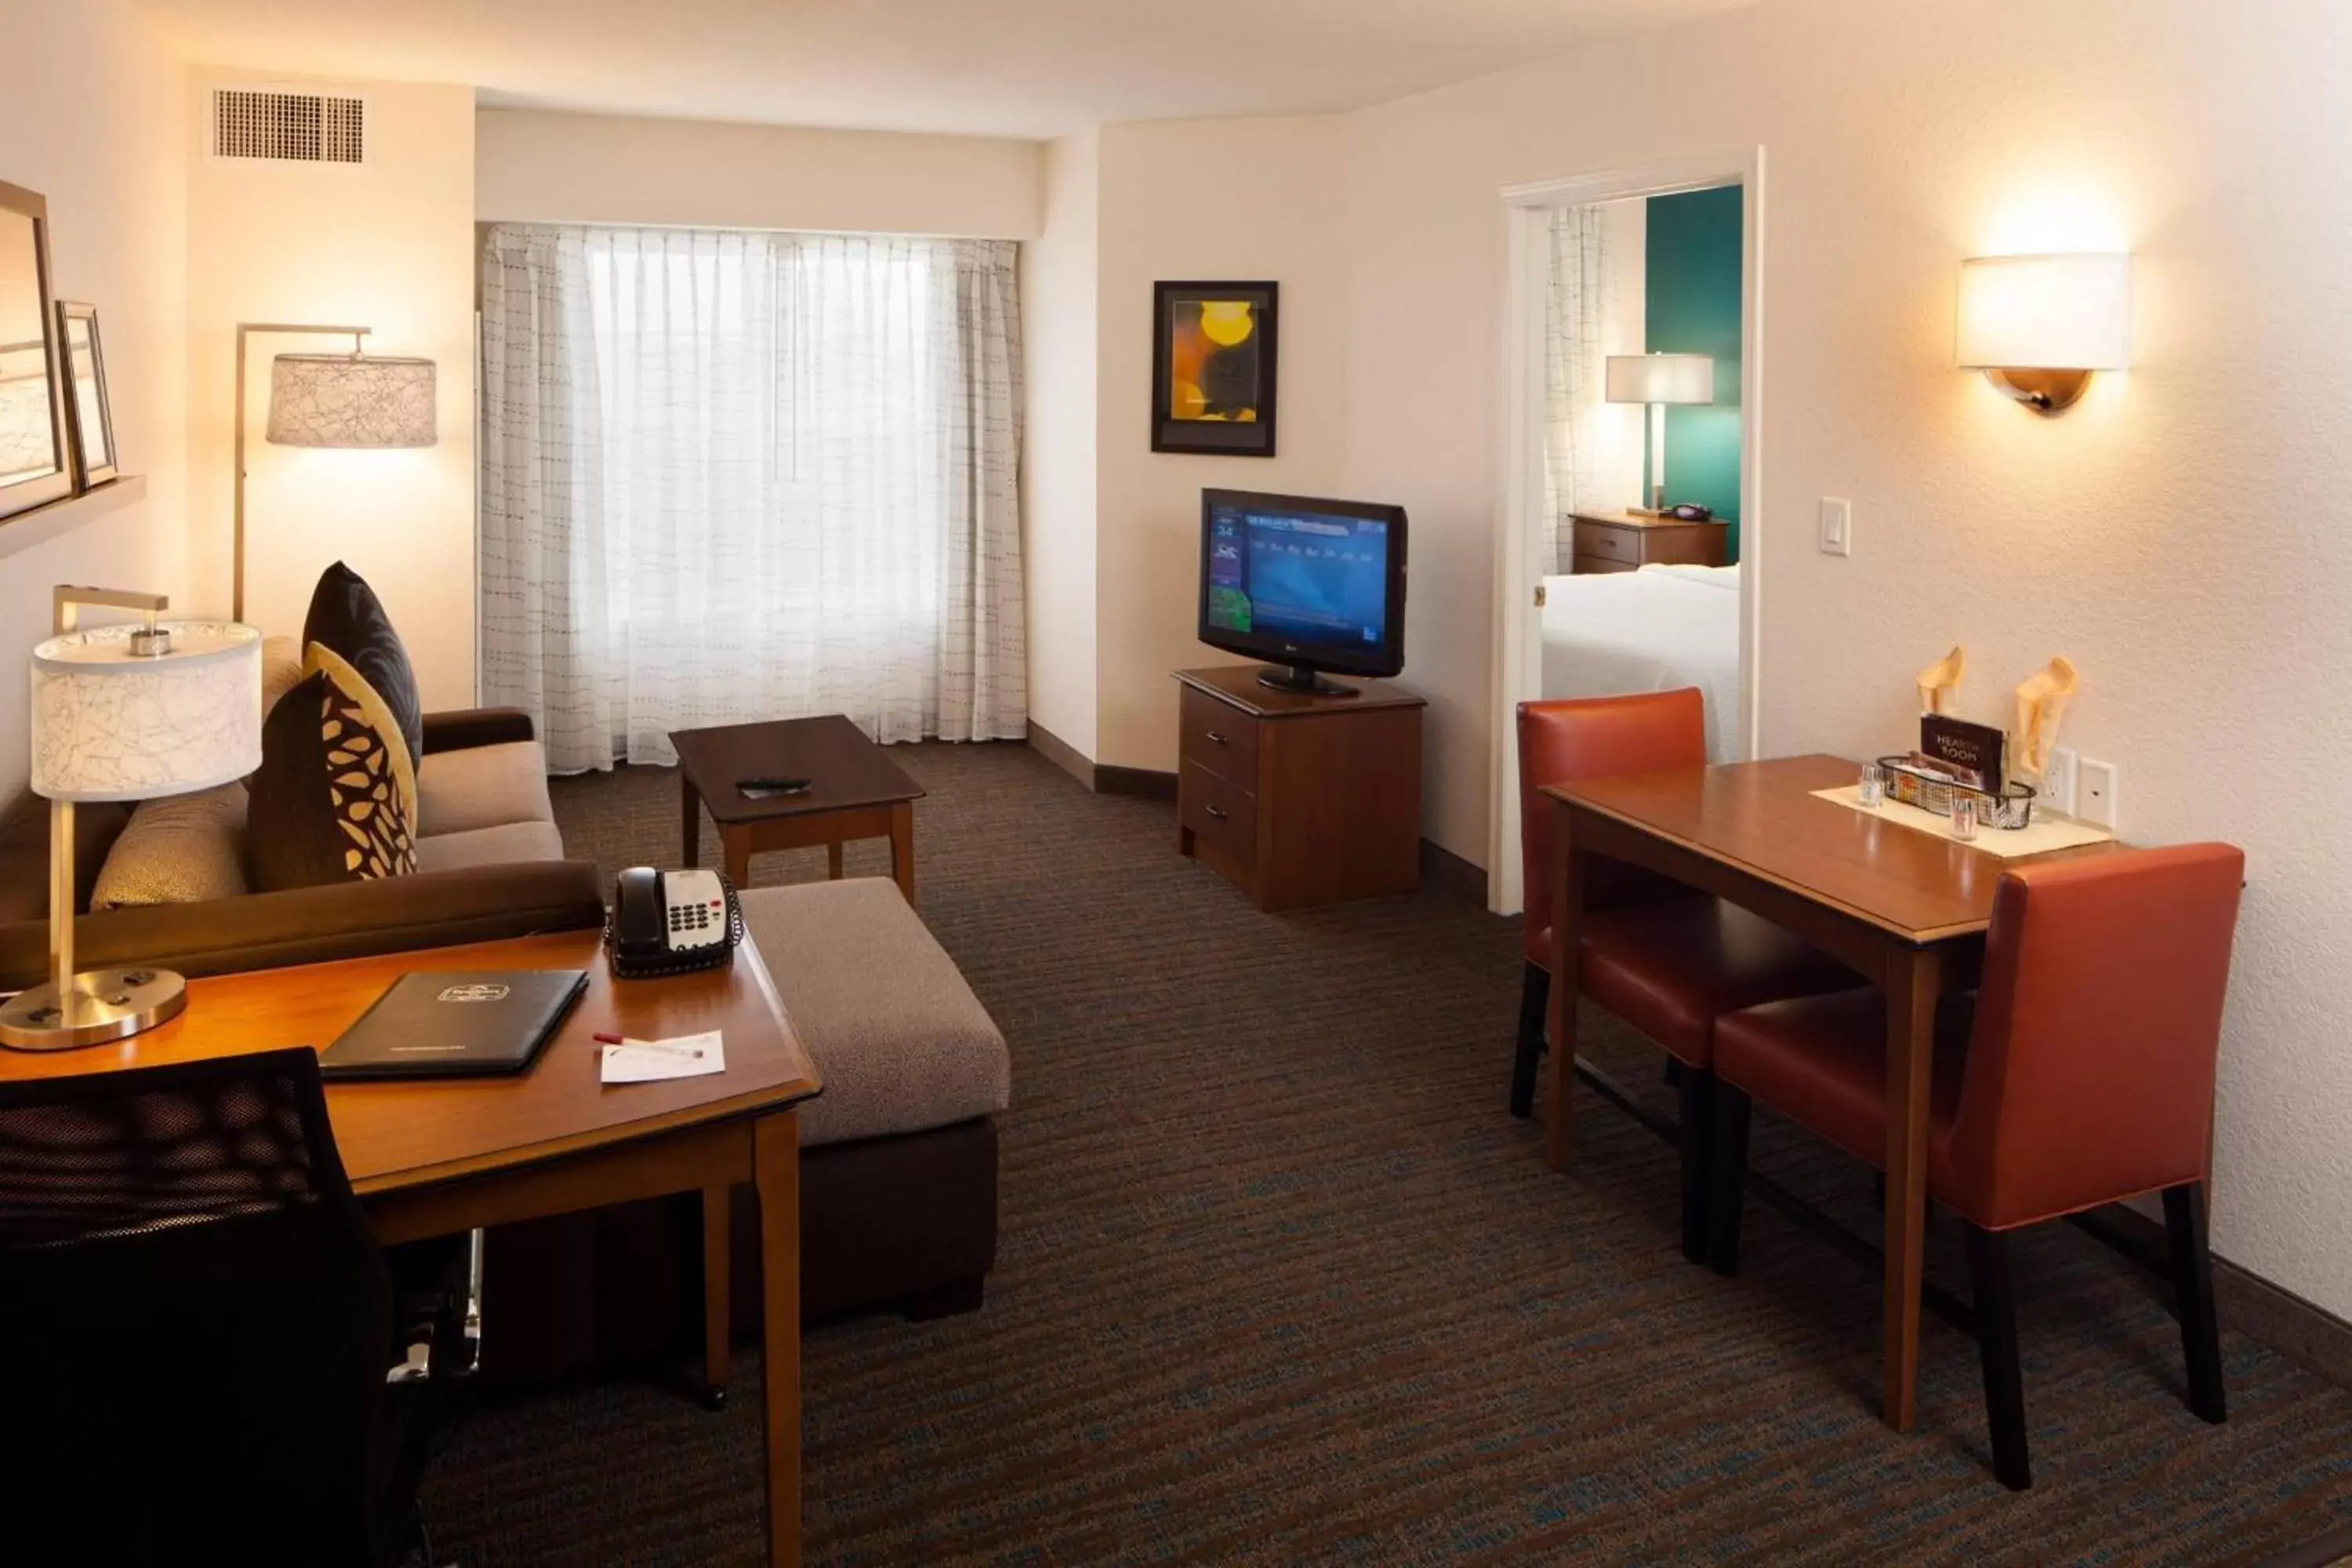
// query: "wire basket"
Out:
[2011,808]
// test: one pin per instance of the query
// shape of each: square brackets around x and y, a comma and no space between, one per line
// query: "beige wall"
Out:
[388,246]
[1059,294]
[2182,534]
[1238,199]
[534,166]
[90,117]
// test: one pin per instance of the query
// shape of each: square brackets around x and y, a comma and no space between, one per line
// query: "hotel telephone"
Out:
[668,922]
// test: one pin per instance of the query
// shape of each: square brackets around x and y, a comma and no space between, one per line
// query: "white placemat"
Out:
[2041,836]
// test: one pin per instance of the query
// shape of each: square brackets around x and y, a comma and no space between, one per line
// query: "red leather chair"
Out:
[2080,1074]
[1665,959]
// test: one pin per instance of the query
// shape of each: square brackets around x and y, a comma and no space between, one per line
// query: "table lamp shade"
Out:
[351,400]
[1661,378]
[112,724]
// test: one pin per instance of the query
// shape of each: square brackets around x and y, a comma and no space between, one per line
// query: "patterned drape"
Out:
[1577,300]
[731,477]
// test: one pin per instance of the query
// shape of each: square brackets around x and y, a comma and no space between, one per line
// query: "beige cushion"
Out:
[281,669]
[482,786]
[900,1040]
[181,849]
[501,846]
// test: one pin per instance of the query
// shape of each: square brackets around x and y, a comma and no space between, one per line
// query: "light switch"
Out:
[1837,526]
[2095,785]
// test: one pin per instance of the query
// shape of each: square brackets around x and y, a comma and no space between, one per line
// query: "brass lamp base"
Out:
[108,1005]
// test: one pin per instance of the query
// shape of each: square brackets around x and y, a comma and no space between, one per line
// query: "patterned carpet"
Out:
[1282,1283]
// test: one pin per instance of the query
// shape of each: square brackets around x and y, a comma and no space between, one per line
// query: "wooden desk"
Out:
[437,1156]
[1907,909]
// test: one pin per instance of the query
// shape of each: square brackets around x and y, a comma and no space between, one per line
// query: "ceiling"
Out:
[1010,68]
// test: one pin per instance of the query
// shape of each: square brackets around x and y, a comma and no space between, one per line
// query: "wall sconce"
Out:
[2038,326]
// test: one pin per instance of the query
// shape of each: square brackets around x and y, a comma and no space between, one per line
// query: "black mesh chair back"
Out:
[197,1322]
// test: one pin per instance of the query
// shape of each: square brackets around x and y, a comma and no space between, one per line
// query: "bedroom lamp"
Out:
[1659,380]
[354,401]
[2040,326]
[119,714]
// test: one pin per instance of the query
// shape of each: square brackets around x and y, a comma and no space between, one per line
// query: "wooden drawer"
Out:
[1604,542]
[1219,737]
[1220,815]
[1586,565]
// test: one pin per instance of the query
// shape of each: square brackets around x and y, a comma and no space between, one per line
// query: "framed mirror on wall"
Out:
[89,415]
[33,449]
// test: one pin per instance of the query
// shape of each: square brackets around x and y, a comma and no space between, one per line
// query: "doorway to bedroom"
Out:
[1628,535]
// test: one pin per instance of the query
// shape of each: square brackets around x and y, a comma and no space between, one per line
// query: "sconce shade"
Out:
[351,400]
[1661,378]
[2046,312]
[111,724]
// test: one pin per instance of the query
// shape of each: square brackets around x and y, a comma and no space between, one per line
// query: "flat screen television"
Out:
[1309,585]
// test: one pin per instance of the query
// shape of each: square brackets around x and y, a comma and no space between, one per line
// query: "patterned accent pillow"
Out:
[335,800]
[181,849]
[346,617]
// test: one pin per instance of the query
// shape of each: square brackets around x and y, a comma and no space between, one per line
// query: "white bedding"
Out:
[1662,627]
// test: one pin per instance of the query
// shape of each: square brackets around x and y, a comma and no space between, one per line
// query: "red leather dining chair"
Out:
[1662,957]
[2084,1077]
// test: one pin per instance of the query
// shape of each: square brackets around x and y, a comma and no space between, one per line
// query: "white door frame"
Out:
[1518,533]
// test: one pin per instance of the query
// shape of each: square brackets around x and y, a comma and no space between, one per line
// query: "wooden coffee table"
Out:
[855,791]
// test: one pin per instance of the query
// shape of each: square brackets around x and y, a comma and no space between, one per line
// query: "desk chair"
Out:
[1662,957]
[199,1326]
[2082,1074]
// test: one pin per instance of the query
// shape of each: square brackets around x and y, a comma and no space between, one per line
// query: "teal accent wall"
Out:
[1692,279]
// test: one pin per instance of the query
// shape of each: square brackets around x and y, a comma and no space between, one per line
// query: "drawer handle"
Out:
[1219,737]
[1216,811]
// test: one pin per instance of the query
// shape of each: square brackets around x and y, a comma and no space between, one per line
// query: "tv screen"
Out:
[1314,584]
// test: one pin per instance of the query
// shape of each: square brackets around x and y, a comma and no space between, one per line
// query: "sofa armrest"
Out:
[313,925]
[463,728]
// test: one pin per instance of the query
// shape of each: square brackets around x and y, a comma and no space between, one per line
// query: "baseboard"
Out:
[2301,1331]
[1442,867]
[1061,753]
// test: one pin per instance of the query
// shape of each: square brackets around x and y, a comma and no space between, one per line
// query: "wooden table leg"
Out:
[718,1232]
[776,1174]
[1914,980]
[737,842]
[1568,915]
[693,817]
[902,846]
[832,860]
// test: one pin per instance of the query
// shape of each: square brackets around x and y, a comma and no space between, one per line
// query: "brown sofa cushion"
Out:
[507,844]
[24,854]
[481,786]
[335,798]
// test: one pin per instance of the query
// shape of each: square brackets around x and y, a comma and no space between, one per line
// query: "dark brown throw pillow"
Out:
[335,799]
[346,617]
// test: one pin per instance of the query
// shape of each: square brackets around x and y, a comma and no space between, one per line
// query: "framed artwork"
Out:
[1212,364]
[88,414]
[33,463]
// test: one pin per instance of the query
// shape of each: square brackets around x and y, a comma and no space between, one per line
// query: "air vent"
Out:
[288,127]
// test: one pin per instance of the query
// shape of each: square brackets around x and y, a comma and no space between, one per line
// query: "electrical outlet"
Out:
[2058,782]
[2095,788]
[1837,526]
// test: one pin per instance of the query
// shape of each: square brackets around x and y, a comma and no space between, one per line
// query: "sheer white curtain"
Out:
[1579,300]
[729,477]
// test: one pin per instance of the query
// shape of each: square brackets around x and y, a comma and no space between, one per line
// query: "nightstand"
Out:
[1620,542]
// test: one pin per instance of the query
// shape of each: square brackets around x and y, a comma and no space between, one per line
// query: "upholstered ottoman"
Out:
[898,1154]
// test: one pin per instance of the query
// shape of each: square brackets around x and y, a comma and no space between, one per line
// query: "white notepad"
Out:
[647,1061]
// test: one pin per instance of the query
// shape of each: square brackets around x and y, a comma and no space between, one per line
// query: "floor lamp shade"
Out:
[352,401]
[110,723]
[1661,378]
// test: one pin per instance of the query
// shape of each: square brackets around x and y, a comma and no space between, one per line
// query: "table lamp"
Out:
[1658,379]
[124,713]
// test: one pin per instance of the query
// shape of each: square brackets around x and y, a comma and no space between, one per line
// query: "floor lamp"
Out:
[1658,379]
[353,400]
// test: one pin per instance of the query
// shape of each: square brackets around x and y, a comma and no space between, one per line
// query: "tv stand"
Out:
[1303,679]
[1298,798]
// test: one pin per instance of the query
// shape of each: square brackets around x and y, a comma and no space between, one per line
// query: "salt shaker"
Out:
[1964,818]
[1872,790]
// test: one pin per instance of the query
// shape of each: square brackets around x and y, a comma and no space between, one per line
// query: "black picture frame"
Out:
[33,367]
[1249,384]
[89,421]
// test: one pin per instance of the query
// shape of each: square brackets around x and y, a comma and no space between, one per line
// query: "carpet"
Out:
[1281,1282]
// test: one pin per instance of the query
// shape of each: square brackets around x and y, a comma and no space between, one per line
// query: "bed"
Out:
[1661,628]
